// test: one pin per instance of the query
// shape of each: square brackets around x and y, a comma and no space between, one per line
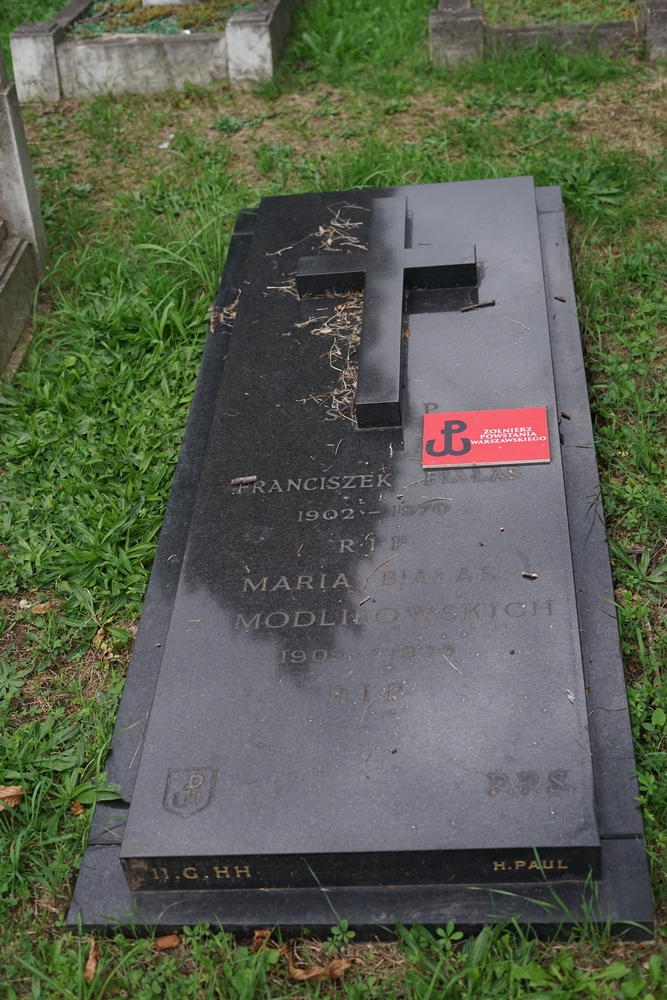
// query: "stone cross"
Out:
[386,272]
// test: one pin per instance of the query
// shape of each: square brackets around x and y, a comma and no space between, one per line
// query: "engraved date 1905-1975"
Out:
[397,652]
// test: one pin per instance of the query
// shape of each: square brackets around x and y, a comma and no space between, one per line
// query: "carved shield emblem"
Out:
[189,790]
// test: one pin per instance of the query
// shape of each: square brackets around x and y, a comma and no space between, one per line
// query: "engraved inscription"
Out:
[346,514]
[490,474]
[531,864]
[340,694]
[237,871]
[410,577]
[316,655]
[310,484]
[188,791]
[305,581]
[410,652]
[455,613]
[527,783]
[193,873]
[398,510]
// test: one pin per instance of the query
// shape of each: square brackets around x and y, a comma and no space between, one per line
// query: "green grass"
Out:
[498,962]
[92,423]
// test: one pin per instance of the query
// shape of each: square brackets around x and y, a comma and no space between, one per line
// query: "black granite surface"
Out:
[623,892]
[364,739]
[123,761]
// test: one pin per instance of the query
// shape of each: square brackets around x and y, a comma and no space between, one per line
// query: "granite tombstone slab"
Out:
[400,684]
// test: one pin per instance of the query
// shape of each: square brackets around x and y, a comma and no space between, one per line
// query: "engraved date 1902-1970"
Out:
[348,513]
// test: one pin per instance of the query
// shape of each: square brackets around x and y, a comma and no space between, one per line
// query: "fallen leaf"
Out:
[90,967]
[11,794]
[41,609]
[334,970]
[260,939]
[76,809]
[98,638]
[102,642]
[167,941]
[263,939]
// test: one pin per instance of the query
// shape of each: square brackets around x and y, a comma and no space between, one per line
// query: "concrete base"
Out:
[48,68]
[19,275]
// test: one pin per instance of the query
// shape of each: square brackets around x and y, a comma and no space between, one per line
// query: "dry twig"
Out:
[224,316]
[334,970]
[378,567]
[344,327]
[338,234]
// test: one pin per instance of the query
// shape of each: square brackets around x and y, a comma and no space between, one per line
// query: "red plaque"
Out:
[485,437]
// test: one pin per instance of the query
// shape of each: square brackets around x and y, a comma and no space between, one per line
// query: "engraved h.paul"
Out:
[188,791]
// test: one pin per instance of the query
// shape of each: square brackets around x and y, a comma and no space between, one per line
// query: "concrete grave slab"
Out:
[400,686]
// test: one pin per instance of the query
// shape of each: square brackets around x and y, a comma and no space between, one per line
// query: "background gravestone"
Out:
[352,673]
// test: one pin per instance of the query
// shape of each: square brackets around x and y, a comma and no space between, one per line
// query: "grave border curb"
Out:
[622,899]
[458,33]
[48,67]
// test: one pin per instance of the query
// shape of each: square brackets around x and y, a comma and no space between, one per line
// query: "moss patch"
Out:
[129,17]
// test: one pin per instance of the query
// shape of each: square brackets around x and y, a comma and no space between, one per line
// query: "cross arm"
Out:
[429,267]
[337,273]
